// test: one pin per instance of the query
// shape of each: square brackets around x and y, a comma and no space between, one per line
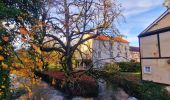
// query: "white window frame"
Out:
[147,69]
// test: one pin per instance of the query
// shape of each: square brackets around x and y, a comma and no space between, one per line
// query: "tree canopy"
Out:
[51,26]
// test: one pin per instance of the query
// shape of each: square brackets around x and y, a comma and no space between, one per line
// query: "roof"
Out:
[134,49]
[107,38]
[145,32]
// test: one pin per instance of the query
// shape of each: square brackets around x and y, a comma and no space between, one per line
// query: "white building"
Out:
[104,49]
[108,50]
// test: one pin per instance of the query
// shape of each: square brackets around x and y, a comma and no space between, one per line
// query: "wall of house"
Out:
[149,46]
[85,49]
[109,51]
[135,56]
[164,22]
[160,70]
[155,51]
[165,44]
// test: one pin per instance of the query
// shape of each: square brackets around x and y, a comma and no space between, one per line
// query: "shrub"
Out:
[141,90]
[5,93]
[145,90]
[84,86]
[132,85]
[111,68]
[129,66]
[54,67]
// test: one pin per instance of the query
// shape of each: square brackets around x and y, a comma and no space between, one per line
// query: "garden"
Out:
[129,79]
[42,41]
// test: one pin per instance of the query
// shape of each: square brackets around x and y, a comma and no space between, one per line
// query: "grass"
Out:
[54,67]
[132,74]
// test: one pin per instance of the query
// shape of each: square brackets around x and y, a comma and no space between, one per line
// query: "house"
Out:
[155,50]
[134,54]
[105,49]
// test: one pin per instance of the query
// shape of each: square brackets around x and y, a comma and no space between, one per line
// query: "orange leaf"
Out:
[36,26]
[5,66]
[37,49]
[1,58]
[5,38]
[23,30]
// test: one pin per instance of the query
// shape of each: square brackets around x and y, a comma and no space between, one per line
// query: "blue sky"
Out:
[138,15]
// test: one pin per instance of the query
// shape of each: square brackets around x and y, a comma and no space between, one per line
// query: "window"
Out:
[126,54]
[147,69]
[99,44]
[111,45]
[111,54]
[99,54]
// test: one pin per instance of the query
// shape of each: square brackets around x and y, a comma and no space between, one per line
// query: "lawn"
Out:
[131,76]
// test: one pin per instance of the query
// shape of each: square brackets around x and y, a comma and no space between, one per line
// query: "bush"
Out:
[145,90]
[111,68]
[132,85]
[129,66]
[84,86]
[54,67]
[5,93]
[141,90]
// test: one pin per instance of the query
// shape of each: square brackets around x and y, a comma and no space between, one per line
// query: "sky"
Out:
[138,15]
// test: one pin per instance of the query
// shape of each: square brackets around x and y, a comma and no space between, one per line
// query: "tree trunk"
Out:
[69,64]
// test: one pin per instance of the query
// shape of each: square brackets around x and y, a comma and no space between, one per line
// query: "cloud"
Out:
[134,7]
[138,15]
[132,39]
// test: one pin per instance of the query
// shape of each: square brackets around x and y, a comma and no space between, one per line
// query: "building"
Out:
[104,49]
[155,50]
[134,54]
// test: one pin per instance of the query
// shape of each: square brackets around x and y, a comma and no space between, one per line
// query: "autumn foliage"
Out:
[82,85]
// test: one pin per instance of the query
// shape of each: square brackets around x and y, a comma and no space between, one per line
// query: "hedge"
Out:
[129,66]
[85,86]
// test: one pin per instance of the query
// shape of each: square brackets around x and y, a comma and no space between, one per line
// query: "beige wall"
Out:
[164,22]
[149,46]
[135,56]
[165,44]
[160,70]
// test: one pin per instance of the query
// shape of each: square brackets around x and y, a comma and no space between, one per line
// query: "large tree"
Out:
[68,22]
[61,23]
